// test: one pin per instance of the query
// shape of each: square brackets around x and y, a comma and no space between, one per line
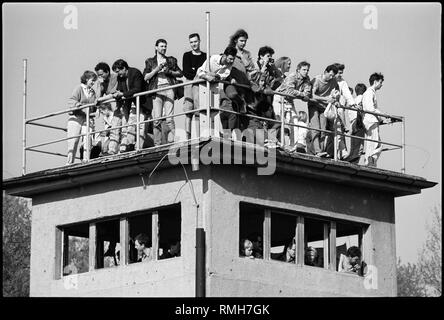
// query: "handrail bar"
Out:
[27,121]
[114,128]
[398,118]
[48,126]
[299,126]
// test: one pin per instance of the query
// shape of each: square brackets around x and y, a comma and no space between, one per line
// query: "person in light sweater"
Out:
[82,94]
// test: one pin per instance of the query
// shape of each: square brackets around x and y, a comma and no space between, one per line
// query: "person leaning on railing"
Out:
[129,82]
[292,85]
[82,94]
[266,77]
[371,122]
[215,68]
[357,126]
[106,87]
[323,85]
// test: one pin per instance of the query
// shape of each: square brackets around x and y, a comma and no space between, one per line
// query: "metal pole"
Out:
[335,138]
[208,69]
[200,262]
[282,122]
[25,71]
[403,144]
[137,122]
[86,148]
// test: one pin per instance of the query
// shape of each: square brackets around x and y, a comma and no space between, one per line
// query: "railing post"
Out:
[87,146]
[403,144]
[208,69]
[25,70]
[335,138]
[137,123]
[282,122]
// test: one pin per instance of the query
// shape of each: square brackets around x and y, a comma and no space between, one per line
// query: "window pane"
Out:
[251,231]
[283,245]
[140,227]
[314,242]
[108,244]
[76,249]
[348,244]
[169,232]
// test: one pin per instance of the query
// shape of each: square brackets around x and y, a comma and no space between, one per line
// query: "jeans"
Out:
[129,133]
[76,126]
[163,105]
[317,121]
[356,145]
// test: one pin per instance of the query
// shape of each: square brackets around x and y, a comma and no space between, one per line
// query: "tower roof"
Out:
[144,161]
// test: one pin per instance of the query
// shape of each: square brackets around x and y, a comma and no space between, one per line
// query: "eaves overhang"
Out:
[142,162]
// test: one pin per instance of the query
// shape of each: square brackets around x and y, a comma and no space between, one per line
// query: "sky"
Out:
[401,40]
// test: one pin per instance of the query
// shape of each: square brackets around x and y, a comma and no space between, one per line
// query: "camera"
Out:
[271,60]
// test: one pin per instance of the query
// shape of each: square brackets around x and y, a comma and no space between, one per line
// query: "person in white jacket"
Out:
[371,122]
[345,100]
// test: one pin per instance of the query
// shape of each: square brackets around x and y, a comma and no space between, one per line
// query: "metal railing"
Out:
[207,108]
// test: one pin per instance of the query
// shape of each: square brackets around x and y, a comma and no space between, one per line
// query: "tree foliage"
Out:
[423,279]
[16,246]
[430,257]
[410,283]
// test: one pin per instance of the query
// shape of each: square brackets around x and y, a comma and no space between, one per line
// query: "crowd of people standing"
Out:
[256,89]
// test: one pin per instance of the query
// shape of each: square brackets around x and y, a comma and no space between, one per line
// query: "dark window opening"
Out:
[140,227]
[169,233]
[349,248]
[251,231]
[76,249]
[283,244]
[315,242]
[108,244]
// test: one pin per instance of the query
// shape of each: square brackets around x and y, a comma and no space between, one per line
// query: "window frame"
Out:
[62,243]
[330,235]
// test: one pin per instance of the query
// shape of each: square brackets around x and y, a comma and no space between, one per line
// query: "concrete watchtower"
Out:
[86,217]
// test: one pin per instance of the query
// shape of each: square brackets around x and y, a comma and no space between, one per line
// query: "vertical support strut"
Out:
[25,80]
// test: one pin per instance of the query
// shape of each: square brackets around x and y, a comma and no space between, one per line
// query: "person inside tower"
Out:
[289,253]
[246,249]
[142,244]
[351,262]
[112,255]
[256,239]
[311,257]
[172,251]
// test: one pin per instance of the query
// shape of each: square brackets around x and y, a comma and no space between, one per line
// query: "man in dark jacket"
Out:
[162,71]
[129,82]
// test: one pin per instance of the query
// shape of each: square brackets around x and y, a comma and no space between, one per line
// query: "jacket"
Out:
[151,64]
[135,84]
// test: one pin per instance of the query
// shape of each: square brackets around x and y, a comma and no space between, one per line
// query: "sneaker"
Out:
[322,154]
